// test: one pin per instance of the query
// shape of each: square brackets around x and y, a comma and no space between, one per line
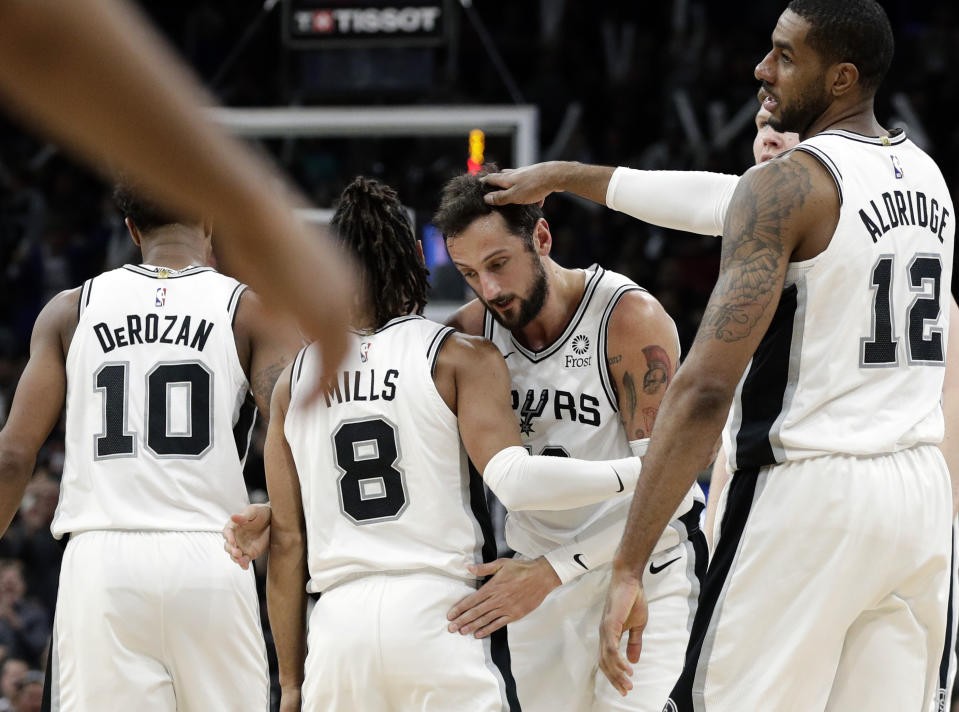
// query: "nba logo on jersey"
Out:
[365,351]
[896,167]
[161,296]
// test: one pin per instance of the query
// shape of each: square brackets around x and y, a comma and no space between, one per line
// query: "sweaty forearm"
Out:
[523,481]
[15,471]
[691,201]
[286,603]
[687,426]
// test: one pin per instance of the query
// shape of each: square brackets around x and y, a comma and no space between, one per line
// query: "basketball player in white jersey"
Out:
[156,363]
[827,332]
[661,197]
[590,354]
[373,502]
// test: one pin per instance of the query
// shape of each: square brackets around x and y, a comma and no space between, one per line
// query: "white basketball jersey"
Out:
[158,407]
[383,476]
[852,362]
[566,405]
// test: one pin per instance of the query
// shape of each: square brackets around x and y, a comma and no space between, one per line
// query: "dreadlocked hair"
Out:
[372,224]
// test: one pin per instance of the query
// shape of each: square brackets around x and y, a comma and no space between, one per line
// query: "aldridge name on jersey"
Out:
[151,328]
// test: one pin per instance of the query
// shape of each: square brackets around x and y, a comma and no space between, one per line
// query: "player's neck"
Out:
[857,117]
[563,297]
[175,246]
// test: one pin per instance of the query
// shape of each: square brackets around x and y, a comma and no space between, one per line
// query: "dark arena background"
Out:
[410,95]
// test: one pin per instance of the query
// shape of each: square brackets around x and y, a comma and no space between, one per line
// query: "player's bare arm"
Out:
[38,401]
[950,404]
[266,343]
[691,201]
[781,210]
[287,573]
[643,353]
[94,75]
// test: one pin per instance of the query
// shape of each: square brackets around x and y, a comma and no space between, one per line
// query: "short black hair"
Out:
[142,210]
[856,31]
[372,224]
[462,202]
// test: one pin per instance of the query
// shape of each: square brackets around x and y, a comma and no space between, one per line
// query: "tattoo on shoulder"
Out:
[753,250]
[659,369]
[615,359]
[265,379]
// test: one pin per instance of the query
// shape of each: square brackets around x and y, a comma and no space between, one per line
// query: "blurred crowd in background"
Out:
[665,85]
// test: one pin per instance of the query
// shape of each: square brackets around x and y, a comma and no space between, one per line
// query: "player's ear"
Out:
[134,231]
[542,238]
[842,77]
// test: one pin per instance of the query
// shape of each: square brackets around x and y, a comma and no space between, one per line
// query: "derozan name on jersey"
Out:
[351,21]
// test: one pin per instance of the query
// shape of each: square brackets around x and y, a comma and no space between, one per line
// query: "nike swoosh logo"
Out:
[508,355]
[620,479]
[653,569]
[576,558]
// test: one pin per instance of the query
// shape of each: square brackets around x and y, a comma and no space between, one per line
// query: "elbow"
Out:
[16,462]
[705,397]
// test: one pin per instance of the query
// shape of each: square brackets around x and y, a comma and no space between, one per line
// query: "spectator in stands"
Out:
[11,675]
[24,626]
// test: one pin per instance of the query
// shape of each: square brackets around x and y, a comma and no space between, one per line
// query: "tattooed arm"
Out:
[784,209]
[642,352]
[265,343]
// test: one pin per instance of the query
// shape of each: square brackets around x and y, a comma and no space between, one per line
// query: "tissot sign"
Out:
[310,24]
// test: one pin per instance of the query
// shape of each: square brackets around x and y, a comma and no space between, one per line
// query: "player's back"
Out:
[158,412]
[852,362]
[383,476]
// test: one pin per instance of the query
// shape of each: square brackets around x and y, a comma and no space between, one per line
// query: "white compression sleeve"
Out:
[692,201]
[524,481]
[595,546]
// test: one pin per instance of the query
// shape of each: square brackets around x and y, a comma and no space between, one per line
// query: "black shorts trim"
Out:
[742,490]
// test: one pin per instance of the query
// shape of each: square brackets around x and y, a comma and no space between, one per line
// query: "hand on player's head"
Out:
[522,186]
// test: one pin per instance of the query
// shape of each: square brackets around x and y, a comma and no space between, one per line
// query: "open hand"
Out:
[515,589]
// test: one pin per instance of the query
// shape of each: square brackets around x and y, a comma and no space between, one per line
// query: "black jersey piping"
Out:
[592,281]
[296,368]
[827,163]
[433,352]
[397,320]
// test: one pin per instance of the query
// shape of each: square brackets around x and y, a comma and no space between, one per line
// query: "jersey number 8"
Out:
[372,488]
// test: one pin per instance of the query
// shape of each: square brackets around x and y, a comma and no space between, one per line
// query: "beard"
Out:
[530,305]
[800,115]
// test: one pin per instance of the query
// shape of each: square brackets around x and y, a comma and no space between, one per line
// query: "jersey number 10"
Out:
[192,439]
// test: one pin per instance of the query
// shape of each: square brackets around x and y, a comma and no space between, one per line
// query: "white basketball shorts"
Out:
[379,643]
[827,590]
[158,621]
[555,648]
